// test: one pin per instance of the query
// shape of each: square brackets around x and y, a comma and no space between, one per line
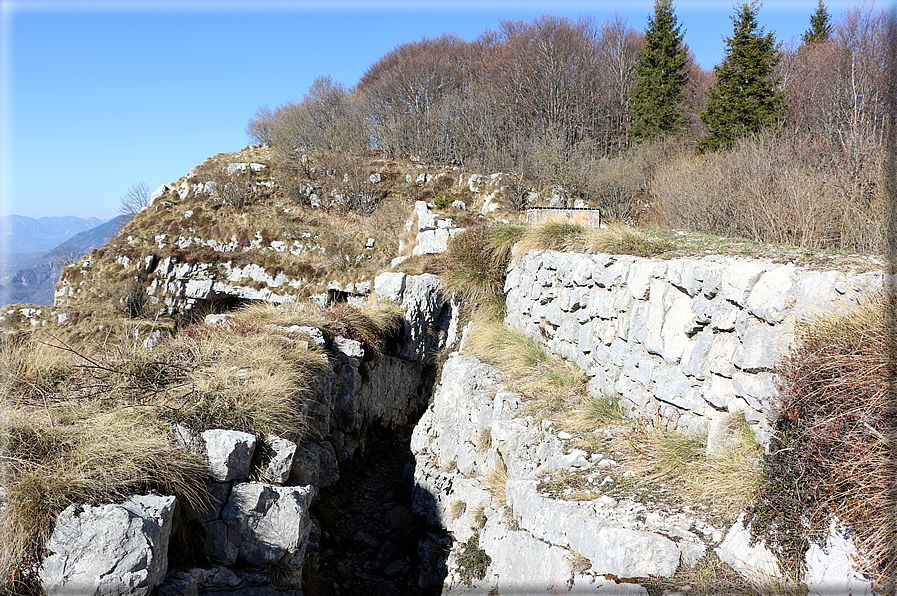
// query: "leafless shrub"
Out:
[765,190]
[233,187]
[137,197]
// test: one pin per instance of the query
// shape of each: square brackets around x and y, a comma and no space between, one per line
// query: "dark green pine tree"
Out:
[660,76]
[744,98]
[820,26]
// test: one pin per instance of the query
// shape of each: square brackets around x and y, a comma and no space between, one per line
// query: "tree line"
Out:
[597,108]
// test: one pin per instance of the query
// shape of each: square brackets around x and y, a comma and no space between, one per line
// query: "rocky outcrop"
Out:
[433,232]
[474,428]
[269,522]
[689,340]
[478,467]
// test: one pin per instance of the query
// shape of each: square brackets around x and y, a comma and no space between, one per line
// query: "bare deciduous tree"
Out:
[137,197]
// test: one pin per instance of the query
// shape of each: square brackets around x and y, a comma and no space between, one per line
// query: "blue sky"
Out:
[98,95]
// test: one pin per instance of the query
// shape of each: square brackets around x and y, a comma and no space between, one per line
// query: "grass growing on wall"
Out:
[833,449]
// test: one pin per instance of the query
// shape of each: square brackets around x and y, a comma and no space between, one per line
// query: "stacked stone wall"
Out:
[684,341]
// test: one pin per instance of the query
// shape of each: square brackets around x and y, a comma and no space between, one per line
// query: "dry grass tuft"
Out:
[618,238]
[727,479]
[457,509]
[496,482]
[242,377]
[512,352]
[554,235]
[476,262]
[709,576]
[370,325]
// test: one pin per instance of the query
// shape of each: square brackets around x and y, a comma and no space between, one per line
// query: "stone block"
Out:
[639,279]
[773,294]
[762,348]
[272,521]
[279,455]
[724,316]
[230,454]
[109,550]
[390,286]
[755,562]
[695,359]
[739,278]
[830,566]
[718,391]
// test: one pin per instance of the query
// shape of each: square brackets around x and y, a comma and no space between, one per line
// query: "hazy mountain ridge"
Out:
[25,234]
[32,281]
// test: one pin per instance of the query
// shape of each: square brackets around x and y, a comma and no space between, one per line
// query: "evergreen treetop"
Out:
[820,26]
[660,75]
[744,98]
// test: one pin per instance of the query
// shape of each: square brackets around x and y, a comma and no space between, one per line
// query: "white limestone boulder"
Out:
[272,523]
[230,454]
[110,550]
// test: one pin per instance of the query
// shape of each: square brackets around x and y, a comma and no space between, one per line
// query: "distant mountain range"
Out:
[29,235]
[28,277]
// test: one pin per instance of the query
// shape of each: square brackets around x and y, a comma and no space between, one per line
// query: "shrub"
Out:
[832,452]
[472,560]
[772,189]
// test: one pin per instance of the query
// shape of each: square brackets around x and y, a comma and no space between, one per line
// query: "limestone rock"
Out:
[315,464]
[110,550]
[830,568]
[230,454]
[279,454]
[349,350]
[389,286]
[772,295]
[762,348]
[272,521]
[739,278]
[755,562]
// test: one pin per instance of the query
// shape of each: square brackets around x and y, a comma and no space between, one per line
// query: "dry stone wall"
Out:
[688,340]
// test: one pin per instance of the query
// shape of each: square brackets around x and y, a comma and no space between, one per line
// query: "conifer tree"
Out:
[744,98]
[660,76]
[820,26]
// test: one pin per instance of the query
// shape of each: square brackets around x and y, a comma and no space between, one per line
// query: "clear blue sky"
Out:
[98,95]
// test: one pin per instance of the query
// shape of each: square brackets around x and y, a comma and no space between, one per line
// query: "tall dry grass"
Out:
[52,460]
[476,262]
[727,478]
[833,449]
[87,419]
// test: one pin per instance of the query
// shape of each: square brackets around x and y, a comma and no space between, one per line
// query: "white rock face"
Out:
[474,426]
[272,521]
[230,454]
[756,562]
[830,567]
[111,550]
[682,339]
